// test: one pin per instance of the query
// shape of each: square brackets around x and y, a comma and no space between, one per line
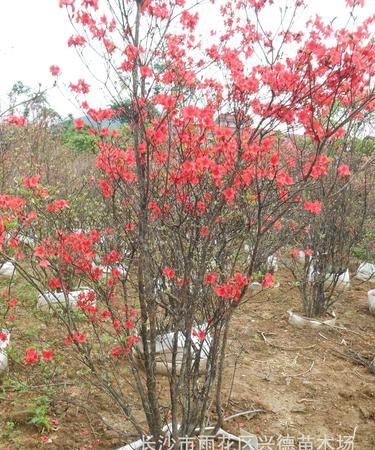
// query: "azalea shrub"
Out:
[233,153]
[320,261]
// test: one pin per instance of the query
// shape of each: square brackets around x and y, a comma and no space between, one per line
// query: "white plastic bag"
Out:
[371,301]
[3,353]
[343,280]
[164,349]
[366,272]
[7,269]
[300,321]
[58,298]
[164,342]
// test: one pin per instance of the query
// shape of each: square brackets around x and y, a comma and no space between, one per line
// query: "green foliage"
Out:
[9,430]
[257,276]
[78,140]
[359,252]
[365,249]
[39,412]
[16,385]
[365,146]
[14,354]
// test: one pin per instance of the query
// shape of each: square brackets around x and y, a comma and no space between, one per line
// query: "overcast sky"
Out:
[33,35]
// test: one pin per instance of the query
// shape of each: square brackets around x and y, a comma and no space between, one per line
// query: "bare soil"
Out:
[295,376]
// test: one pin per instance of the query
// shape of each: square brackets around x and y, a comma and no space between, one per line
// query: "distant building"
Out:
[226,120]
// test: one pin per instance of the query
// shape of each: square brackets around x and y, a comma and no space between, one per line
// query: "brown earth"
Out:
[293,375]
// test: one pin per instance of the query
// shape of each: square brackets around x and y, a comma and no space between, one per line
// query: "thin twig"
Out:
[302,400]
[357,358]
[245,413]
[350,331]
[302,373]
[289,349]
[38,386]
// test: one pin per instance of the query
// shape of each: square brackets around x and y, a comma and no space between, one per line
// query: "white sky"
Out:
[34,33]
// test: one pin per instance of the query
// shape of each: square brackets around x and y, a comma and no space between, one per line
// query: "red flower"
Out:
[200,334]
[55,283]
[47,355]
[44,263]
[116,351]
[79,123]
[129,226]
[32,215]
[133,340]
[223,290]
[106,188]
[210,278]
[204,231]
[344,170]
[66,3]
[56,205]
[105,314]
[169,273]
[240,279]
[3,336]
[45,439]
[76,41]
[268,281]
[146,71]
[19,121]
[55,70]
[81,87]
[229,194]
[31,356]
[12,302]
[295,253]
[313,207]
[79,337]
[129,324]
[13,242]
[40,251]
[31,182]
[116,324]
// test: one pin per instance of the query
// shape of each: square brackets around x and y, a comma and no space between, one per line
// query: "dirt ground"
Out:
[302,387]
[294,375]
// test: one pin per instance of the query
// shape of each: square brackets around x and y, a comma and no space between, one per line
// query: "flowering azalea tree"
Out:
[324,247]
[207,169]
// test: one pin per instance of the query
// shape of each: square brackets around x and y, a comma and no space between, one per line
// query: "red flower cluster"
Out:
[55,70]
[56,205]
[19,121]
[313,207]
[31,182]
[169,273]
[76,41]
[81,87]
[32,356]
[232,289]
